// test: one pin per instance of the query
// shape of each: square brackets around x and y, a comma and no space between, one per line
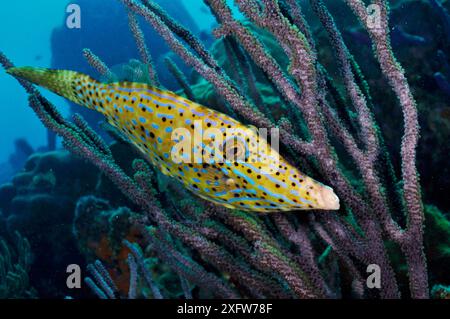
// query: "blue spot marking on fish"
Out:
[143,119]
[159,140]
[162,104]
[248,179]
[276,195]
[168,116]
[169,129]
[128,108]
[145,107]
[155,126]
[226,121]
[274,180]
[213,123]
[162,96]
[295,193]
[198,113]
[143,96]
[232,200]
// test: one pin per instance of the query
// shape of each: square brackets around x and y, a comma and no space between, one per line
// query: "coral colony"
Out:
[223,244]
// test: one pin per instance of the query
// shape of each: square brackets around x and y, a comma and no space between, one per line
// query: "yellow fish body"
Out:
[212,154]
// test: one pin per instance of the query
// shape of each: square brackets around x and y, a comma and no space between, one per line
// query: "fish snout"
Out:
[327,199]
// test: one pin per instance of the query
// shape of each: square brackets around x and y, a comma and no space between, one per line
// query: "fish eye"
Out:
[235,149]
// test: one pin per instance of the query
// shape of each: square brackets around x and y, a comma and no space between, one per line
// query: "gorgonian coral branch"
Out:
[142,48]
[97,64]
[412,241]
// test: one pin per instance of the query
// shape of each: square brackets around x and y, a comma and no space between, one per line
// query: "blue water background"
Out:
[27,27]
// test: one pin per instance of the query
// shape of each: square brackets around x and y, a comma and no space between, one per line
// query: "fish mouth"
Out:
[327,199]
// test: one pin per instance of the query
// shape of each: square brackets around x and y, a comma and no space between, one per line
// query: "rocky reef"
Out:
[16,259]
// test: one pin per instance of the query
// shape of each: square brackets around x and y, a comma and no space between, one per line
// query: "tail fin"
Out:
[68,84]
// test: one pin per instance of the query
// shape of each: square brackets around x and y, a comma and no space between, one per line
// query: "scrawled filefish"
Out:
[212,154]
